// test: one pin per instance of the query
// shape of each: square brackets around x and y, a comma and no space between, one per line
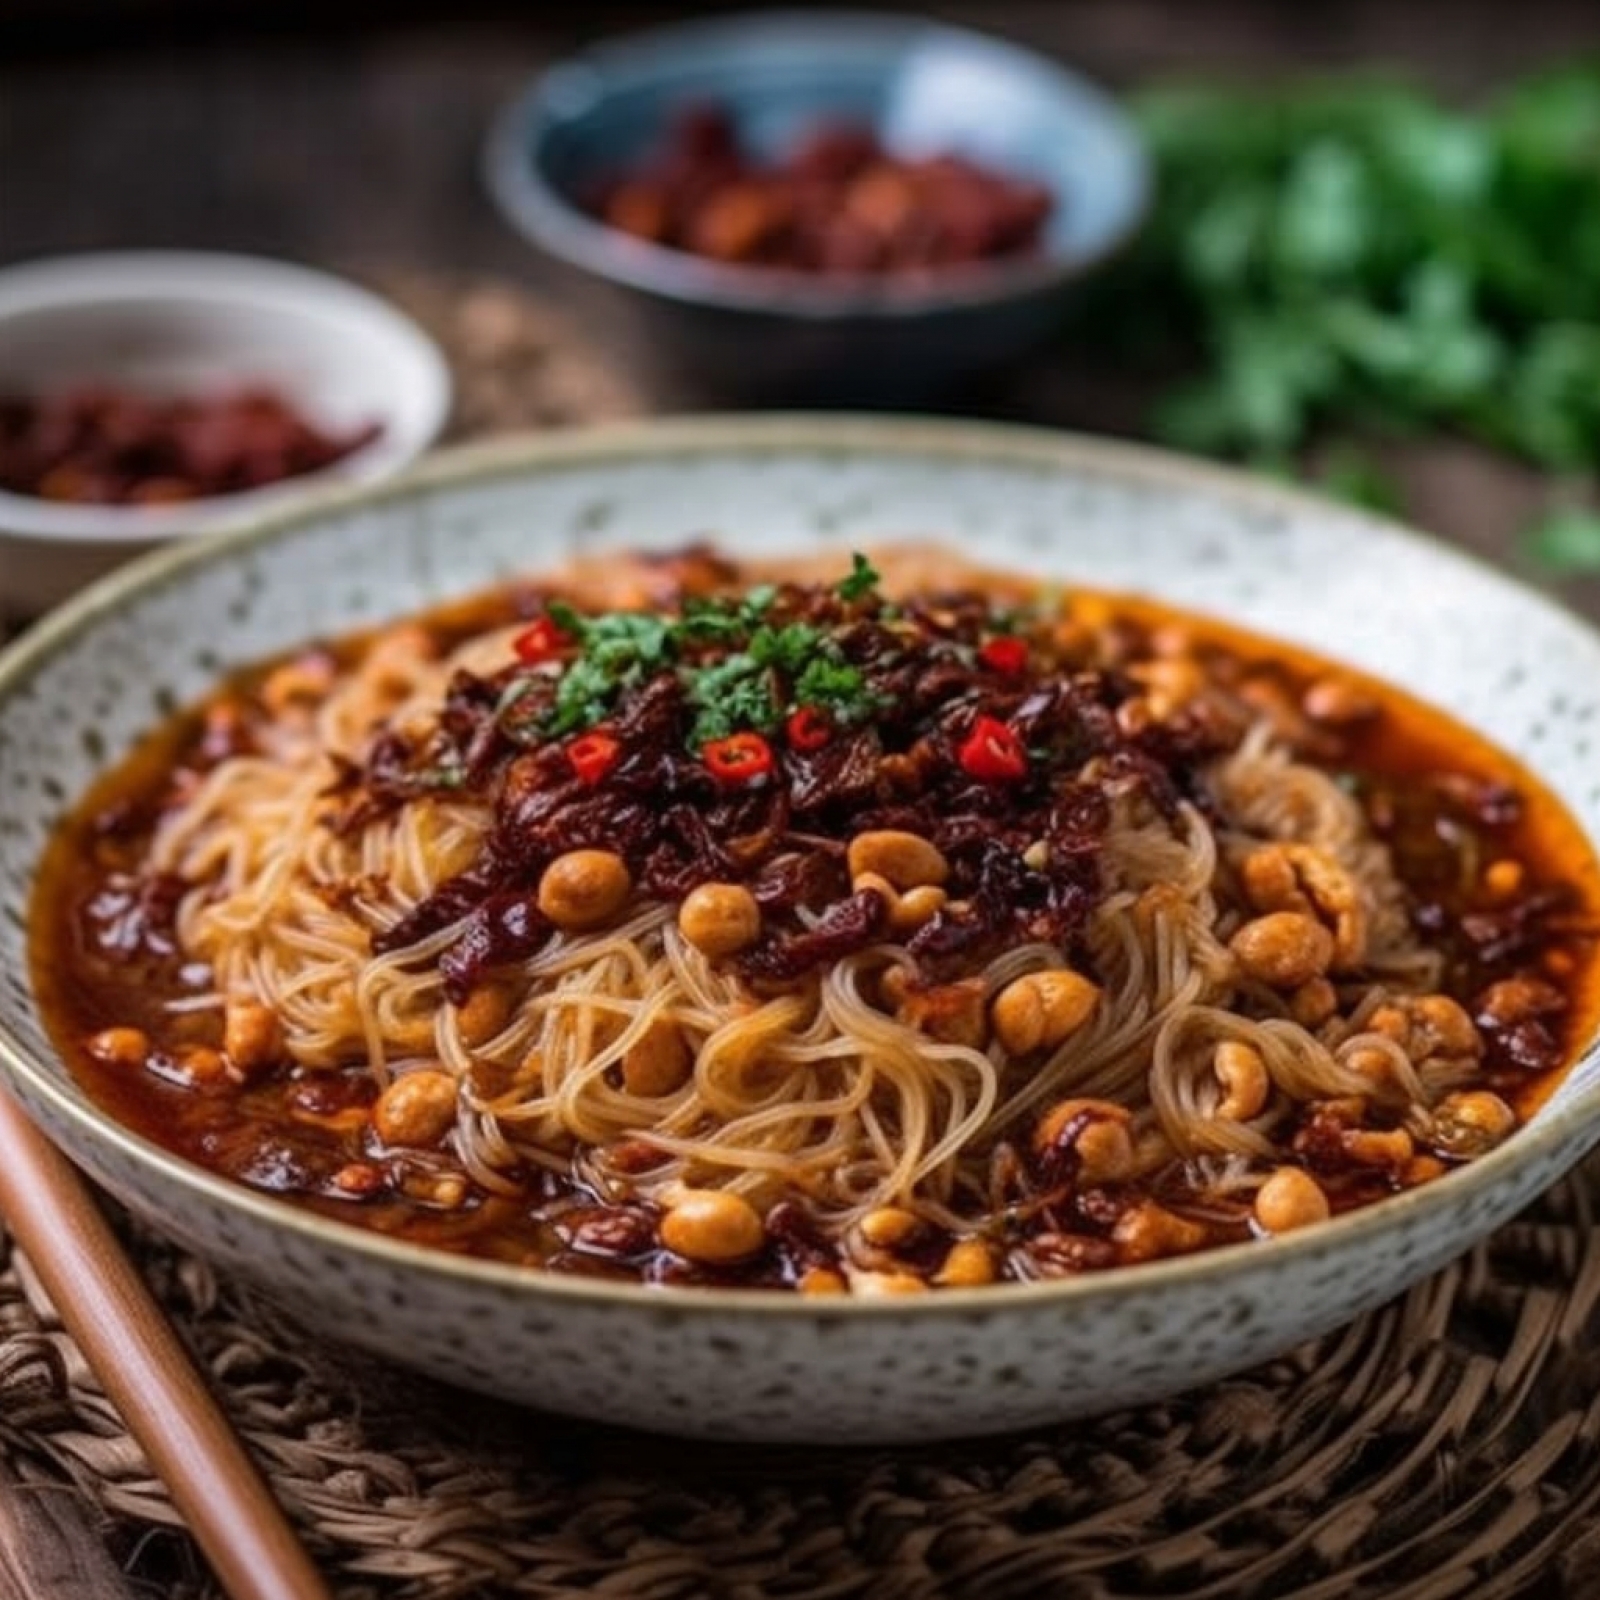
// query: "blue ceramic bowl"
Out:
[760,333]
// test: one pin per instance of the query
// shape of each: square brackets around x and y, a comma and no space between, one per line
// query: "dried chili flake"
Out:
[992,753]
[808,729]
[542,641]
[1006,654]
[738,761]
[593,756]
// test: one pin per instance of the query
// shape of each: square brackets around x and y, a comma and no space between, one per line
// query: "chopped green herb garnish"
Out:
[788,648]
[861,581]
[734,695]
[834,685]
[711,622]
[741,689]
[628,641]
[570,621]
[583,697]
[758,600]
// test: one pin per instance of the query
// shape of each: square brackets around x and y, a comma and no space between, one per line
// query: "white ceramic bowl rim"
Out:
[187,277]
[549,217]
[846,435]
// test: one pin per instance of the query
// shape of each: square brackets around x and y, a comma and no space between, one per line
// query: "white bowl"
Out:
[764,1364]
[179,322]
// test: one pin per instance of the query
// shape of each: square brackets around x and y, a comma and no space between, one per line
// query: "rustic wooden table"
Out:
[350,137]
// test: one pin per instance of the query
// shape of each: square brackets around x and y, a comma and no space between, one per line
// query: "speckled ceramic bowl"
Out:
[761,1365]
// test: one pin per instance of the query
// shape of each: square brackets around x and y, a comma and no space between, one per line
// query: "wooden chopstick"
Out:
[147,1373]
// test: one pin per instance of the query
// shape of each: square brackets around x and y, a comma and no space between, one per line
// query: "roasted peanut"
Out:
[1170,683]
[445,1190]
[417,1109]
[908,911]
[821,1280]
[1445,1028]
[1313,1003]
[1283,949]
[1502,879]
[720,919]
[1269,881]
[1300,877]
[876,883]
[358,1178]
[1512,1000]
[1338,702]
[1559,963]
[1291,1198]
[200,1064]
[889,1227]
[584,889]
[119,1047]
[658,1062]
[1471,1123]
[1040,1010]
[1393,1021]
[1427,1026]
[712,1226]
[907,860]
[1148,1232]
[251,1035]
[1378,1067]
[872,1285]
[486,1012]
[1422,1169]
[968,1263]
[1240,1070]
[915,907]
[1378,1147]
[1103,1143]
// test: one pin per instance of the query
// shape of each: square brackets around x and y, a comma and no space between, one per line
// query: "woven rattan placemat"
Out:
[1445,1446]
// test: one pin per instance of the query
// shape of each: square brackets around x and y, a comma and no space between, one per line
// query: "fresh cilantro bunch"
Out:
[1355,258]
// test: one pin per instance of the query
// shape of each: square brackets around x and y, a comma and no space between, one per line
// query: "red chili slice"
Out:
[540,641]
[1007,654]
[808,729]
[739,760]
[992,753]
[593,756]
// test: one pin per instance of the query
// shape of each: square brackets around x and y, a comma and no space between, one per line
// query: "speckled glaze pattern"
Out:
[76,693]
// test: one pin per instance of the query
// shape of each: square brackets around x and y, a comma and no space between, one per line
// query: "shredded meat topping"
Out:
[924,686]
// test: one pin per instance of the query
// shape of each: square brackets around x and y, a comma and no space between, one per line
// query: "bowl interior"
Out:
[176,324]
[926,89]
